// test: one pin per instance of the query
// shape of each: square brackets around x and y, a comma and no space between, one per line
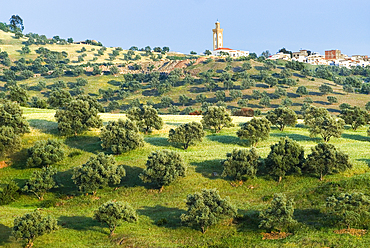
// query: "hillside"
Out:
[194,66]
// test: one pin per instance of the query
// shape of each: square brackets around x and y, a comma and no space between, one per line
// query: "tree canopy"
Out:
[217,118]
[279,215]
[33,225]
[77,116]
[320,122]
[44,153]
[113,213]
[187,134]
[241,163]
[121,136]
[326,159]
[98,171]
[285,156]
[255,130]
[207,208]
[146,117]
[163,167]
[282,117]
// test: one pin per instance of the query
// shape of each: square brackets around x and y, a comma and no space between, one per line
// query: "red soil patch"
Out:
[4,164]
[351,231]
[275,235]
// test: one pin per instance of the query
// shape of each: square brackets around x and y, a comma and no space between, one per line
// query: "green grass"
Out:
[75,210]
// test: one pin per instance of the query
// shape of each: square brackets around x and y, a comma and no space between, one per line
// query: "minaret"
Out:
[218,38]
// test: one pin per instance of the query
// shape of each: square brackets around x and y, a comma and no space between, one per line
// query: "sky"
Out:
[184,26]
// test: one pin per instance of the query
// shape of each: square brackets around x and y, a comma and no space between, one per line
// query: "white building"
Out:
[223,51]
[283,56]
[218,41]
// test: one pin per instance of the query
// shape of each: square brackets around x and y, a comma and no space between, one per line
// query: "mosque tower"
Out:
[218,38]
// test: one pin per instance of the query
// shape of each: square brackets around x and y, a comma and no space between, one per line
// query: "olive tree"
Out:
[282,117]
[41,181]
[241,163]
[355,117]
[121,136]
[320,122]
[285,156]
[33,225]
[11,115]
[163,167]
[255,130]
[77,116]
[146,117]
[279,215]
[44,153]
[187,134]
[206,209]
[217,118]
[326,159]
[97,172]
[114,213]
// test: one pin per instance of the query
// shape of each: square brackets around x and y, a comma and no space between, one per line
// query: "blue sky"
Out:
[255,26]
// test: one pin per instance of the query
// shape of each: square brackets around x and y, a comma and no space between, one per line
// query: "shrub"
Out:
[121,136]
[241,163]
[350,209]
[163,167]
[44,153]
[247,112]
[206,209]
[9,193]
[279,215]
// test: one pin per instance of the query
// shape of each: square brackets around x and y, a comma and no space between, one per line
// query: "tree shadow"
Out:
[313,217]
[265,86]
[311,93]
[86,143]
[367,161]
[249,222]
[157,141]
[5,233]
[293,136]
[333,110]
[163,216]
[151,92]
[355,137]
[322,102]
[224,139]
[293,95]
[65,183]
[19,159]
[132,177]
[80,223]
[211,169]
[45,126]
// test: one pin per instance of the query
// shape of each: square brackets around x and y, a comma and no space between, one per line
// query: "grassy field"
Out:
[74,210]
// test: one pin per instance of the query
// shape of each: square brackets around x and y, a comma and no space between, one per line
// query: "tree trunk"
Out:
[204,229]
[280,179]
[30,243]
[161,189]
[112,231]
[321,176]
[186,145]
